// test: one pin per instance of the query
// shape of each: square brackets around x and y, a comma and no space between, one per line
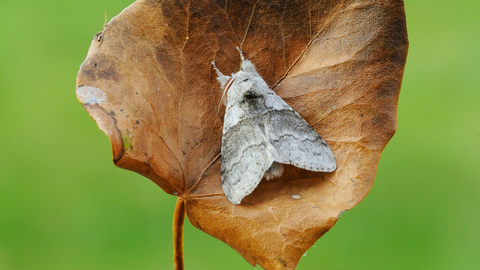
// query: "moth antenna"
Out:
[219,73]
[241,54]
[222,79]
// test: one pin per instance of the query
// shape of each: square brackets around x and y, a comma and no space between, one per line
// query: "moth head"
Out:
[242,84]
[246,87]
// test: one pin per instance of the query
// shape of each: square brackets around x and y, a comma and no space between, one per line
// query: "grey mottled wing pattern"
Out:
[294,140]
[244,158]
[259,129]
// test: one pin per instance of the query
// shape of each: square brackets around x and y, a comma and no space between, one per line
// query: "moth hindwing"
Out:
[261,132]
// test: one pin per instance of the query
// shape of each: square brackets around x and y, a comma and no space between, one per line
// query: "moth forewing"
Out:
[244,159]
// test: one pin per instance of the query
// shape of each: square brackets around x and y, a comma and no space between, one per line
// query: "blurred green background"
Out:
[64,205]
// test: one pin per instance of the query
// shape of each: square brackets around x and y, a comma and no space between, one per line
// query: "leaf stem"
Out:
[178,219]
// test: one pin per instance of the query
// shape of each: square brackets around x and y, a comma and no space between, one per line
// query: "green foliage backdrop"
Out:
[64,205]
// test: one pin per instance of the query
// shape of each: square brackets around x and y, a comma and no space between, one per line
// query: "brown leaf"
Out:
[149,84]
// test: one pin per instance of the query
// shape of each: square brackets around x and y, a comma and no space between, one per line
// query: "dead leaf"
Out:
[149,85]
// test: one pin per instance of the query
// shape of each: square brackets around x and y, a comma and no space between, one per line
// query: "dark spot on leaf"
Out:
[108,74]
[98,36]
[282,262]
[354,182]
[138,122]
[112,113]
[184,153]
[100,68]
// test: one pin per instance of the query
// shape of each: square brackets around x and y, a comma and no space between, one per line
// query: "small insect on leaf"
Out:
[261,132]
